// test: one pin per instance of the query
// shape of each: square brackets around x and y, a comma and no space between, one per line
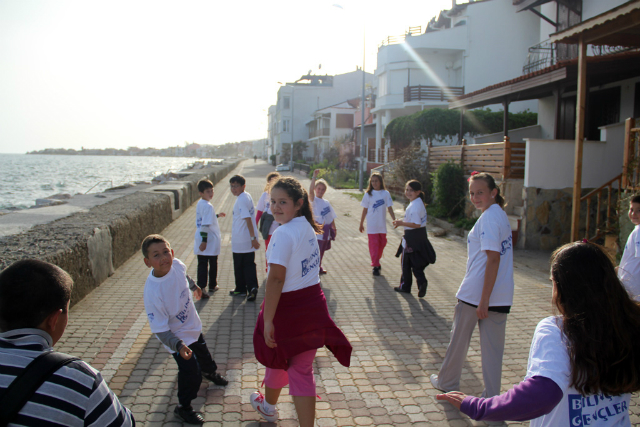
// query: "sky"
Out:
[115,74]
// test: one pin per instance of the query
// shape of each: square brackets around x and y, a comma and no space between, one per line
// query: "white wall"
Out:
[549,163]
[591,8]
[547,117]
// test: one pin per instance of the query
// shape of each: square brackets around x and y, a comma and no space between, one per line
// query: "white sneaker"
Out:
[436,384]
[257,401]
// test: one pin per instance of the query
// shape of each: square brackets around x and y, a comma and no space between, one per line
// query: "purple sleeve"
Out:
[532,398]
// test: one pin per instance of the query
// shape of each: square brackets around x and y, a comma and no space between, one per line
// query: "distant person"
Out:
[485,295]
[323,214]
[294,321]
[244,241]
[264,218]
[206,243]
[584,363]
[375,204]
[34,311]
[415,248]
[629,269]
[175,322]
[255,158]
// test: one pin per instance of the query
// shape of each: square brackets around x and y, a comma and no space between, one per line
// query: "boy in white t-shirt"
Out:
[629,268]
[206,244]
[244,241]
[175,322]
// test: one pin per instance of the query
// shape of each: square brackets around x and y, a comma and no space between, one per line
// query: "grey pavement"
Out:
[398,339]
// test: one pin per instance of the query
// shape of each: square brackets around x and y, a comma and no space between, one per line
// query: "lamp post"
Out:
[363,154]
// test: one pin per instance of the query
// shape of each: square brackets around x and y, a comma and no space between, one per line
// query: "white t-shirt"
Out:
[206,215]
[323,213]
[240,237]
[264,205]
[294,246]
[169,307]
[548,357]
[491,232]
[629,269]
[377,204]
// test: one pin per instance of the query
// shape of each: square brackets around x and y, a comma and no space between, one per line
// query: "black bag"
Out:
[265,225]
[27,383]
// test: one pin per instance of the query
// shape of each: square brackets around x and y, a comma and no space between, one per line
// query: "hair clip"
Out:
[472,174]
[585,241]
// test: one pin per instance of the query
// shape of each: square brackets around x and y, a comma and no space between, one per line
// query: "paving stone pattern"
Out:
[398,339]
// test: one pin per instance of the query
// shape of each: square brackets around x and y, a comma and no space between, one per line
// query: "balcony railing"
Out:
[413,31]
[437,93]
[313,133]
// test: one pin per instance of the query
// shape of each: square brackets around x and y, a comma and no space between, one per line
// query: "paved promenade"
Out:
[398,339]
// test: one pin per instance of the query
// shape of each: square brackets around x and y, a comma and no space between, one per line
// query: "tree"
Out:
[299,148]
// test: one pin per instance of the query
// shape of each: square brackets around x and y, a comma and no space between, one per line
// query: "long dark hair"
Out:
[294,189]
[379,175]
[417,186]
[599,320]
[491,183]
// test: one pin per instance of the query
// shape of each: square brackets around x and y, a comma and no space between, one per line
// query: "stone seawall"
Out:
[91,244]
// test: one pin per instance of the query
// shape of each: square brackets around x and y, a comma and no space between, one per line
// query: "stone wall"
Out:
[91,245]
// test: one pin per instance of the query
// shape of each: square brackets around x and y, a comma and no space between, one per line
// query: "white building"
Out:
[330,125]
[468,47]
[271,132]
[298,102]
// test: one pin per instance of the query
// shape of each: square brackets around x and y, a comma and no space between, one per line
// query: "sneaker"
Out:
[376,271]
[212,290]
[422,291]
[257,401]
[322,271]
[205,295]
[237,294]
[436,384]
[399,289]
[252,294]
[189,416]
[215,378]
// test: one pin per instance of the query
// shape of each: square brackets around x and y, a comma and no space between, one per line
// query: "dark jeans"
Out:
[207,264]
[411,263]
[244,270]
[190,371]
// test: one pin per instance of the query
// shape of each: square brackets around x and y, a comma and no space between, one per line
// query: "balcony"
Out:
[433,93]
[314,133]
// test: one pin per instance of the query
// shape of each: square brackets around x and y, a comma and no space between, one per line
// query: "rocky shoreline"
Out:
[92,243]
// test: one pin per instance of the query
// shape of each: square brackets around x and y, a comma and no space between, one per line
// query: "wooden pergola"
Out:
[617,27]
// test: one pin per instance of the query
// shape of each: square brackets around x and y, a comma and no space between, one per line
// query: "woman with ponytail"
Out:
[416,250]
[294,321]
[486,293]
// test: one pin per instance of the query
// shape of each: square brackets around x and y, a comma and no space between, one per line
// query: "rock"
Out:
[61,196]
[438,232]
[48,202]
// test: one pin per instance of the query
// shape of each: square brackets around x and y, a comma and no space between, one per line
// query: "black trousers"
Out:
[190,371]
[411,263]
[244,270]
[207,266]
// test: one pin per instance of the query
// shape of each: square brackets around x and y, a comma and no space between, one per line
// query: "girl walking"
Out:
[374,202]
[583,363]
[323,214]
[486,292]
[416,250]
[294,321]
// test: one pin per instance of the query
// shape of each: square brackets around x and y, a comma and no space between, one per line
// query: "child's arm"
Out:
[364,215]
[397,223]
[169,339]
[204,233]
[254,242]
[393,215]
[275,282]
[197,292]
[312,186]
[490,274]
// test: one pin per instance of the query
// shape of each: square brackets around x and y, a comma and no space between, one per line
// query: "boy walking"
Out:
[244,241]
[175,322]
[206,243]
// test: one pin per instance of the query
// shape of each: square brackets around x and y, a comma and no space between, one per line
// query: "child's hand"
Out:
[453,397]
[268,335]
[222,214]
[255,244]
[202,246]
[197,294]
[185,352]
[361,228]
[316,172]
[397,223]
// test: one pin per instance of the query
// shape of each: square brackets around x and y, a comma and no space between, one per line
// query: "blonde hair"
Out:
[270,176]
[323,182]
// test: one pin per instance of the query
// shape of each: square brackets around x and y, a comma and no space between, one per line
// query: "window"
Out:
[285,126]
[285,103]
[344,121]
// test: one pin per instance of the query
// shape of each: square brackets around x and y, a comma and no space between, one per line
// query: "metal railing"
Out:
[98,183]
[319,132]
[413,31]
[436,93]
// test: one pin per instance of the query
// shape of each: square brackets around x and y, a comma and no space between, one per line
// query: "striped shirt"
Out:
[75,395]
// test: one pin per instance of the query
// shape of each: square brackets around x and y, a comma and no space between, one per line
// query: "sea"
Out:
[27,177]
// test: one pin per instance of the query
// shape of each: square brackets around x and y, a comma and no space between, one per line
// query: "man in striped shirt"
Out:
[34,310]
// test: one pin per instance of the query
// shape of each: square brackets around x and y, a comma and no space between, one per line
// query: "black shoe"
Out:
[423,291]
[189,416]
[399,289]
[215,378]
[376,271]
[252,294]
[237,294]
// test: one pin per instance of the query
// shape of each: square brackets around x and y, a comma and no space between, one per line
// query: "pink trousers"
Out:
[299,376]
[377,242]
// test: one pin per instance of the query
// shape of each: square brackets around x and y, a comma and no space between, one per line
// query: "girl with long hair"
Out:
[294,320]
[584,362]
[375,203]
[324,215]
[417,253]
[485,295]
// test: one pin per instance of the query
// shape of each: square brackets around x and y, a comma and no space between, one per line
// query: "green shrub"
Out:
[466,223]
[449,188]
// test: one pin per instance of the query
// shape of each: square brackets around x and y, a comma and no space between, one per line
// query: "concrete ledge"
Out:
[91,244]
